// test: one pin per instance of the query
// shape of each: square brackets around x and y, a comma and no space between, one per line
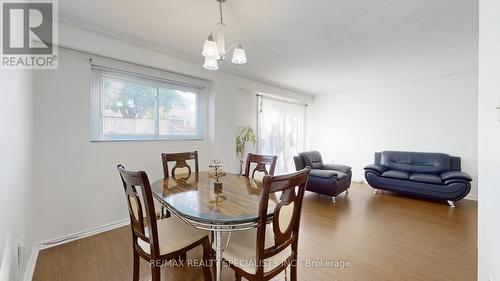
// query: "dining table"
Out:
[221,204]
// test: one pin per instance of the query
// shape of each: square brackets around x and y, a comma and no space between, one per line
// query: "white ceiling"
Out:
[319,46]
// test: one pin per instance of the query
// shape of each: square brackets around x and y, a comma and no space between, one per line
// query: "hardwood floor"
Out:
[381,237]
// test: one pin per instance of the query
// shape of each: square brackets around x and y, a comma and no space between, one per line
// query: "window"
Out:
[127,106]
[281,130]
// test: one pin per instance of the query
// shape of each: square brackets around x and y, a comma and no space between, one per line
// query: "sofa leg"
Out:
[347,192]
[333,199]
[451,203]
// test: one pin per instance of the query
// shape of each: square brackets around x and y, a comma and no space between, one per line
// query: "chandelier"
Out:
[214,49]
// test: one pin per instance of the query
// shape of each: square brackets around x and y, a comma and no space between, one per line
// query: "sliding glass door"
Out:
[281,126]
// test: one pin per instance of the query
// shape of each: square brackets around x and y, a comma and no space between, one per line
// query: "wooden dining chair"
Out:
[262,253]
[155,240]
[180,162]
[261,161]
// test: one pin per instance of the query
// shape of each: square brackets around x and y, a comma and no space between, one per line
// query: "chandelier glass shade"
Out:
[210,48]
[211,63]
[239,55]
[214,49]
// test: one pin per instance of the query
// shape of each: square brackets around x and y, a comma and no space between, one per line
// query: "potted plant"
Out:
[245,134]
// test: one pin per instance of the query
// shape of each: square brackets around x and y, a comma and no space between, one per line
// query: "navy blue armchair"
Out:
[327,179]
[435,176]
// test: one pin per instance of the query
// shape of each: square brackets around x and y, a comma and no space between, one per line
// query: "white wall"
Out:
[15,149]
[489,141]
[77,182]
[435,115]
[246,108]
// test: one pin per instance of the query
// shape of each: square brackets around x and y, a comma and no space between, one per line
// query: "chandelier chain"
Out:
[220,12]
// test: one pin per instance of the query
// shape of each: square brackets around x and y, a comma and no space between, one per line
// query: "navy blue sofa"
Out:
[435,176]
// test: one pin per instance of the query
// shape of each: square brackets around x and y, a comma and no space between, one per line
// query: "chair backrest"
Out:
[312,159]
[416,162]
[180,161]
[286,216]
[132,181]
[261,161]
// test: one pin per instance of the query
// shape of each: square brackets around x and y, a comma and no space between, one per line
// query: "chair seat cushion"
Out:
[427,178]
[173,235]
[395,174]
[326,174]
[241,251]
[340,175]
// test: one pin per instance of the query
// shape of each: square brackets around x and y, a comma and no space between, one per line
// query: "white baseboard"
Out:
[82,234]
[471,197]
[31,263]
[358,180]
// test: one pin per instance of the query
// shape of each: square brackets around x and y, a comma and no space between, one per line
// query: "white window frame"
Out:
[97,110]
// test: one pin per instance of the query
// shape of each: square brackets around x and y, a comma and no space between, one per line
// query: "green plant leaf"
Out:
[244,135]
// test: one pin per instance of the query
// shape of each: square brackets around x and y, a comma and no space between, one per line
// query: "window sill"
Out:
[146,139]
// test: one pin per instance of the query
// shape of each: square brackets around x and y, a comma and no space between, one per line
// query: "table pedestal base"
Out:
[218,255]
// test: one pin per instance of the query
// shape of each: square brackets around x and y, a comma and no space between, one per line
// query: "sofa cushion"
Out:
[394,174]
[434,163]
[312,159]
[455,175]
[416,162]
[326,174]
[427,178]
[395,160]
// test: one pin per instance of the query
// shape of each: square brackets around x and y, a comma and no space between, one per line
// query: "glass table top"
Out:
[234,199]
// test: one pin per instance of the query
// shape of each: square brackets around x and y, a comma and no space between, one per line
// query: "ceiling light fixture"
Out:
[214,49]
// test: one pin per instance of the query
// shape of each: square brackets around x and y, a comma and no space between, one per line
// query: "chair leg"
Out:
[212,263]
[347,192]
[237,276]
[155,273]
[375,191]
[451,203]
[182,258]
[207,274]
[333,199]
[164,213]
[293,272]
[135,276]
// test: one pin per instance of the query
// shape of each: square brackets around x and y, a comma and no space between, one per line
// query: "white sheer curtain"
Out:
[281,127]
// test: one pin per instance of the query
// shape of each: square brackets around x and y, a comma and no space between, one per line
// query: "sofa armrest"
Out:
[337,167]
[455,175]
[378,169]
